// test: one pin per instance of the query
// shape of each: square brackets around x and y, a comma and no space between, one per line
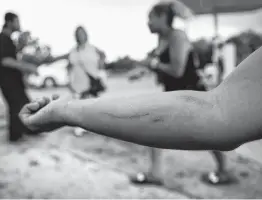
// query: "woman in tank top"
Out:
[173,62]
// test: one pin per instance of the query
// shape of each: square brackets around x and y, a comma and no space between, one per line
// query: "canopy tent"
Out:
[222,6]
[187,8]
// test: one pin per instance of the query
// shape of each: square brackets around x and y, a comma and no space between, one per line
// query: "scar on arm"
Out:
[135,116]
[158,119]
[198,101]
[155,119]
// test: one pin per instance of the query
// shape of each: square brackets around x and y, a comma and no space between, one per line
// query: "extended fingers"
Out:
[43,102]
[29,109]
[36,104]
[33,107]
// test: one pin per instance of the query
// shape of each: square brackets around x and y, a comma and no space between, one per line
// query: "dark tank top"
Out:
[188,81]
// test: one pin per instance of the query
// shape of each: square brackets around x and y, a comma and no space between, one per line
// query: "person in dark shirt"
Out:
[11,76]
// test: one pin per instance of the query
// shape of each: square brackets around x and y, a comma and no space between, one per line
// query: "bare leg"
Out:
[220,161]
[155,168]
[78,132]
[153,176]
[220,176]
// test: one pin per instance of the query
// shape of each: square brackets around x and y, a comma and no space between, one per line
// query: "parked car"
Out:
[50,76]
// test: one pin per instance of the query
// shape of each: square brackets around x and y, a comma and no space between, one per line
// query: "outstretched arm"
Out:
[55,59]
[19,65]
[221,119]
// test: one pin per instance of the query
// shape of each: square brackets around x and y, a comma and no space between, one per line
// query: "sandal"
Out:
[214,178]
[145,179]
[79,132]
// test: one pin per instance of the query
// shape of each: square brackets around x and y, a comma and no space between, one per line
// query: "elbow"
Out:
[235,139]
[5,62]
[222,136]
[226,146]
[225,140]
[220,144]
[229,136]
[224,143]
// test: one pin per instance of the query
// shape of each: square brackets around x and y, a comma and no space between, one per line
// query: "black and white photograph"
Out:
[131,99]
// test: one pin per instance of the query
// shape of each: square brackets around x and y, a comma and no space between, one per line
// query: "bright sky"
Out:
[116,26]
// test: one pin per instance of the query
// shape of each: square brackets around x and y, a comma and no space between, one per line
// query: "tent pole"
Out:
[216,51]
[216,36]
[216,23]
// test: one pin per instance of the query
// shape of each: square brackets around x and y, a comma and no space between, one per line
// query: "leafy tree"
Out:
[246,43]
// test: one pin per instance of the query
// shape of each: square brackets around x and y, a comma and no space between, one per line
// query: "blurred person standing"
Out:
[86,64]
[174,62]
[11,75]
[86,69]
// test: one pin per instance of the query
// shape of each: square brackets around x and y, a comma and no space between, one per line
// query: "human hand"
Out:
[150,62]
[44,114]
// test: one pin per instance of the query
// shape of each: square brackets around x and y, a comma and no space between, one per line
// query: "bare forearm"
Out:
[60,57]
[32,59]
[55,59]
[180,120]
[20,65]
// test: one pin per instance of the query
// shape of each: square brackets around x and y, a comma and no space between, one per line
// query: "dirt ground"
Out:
[60,165]
[47,168]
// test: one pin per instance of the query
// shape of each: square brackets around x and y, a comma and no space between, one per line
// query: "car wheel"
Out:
[49,83]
